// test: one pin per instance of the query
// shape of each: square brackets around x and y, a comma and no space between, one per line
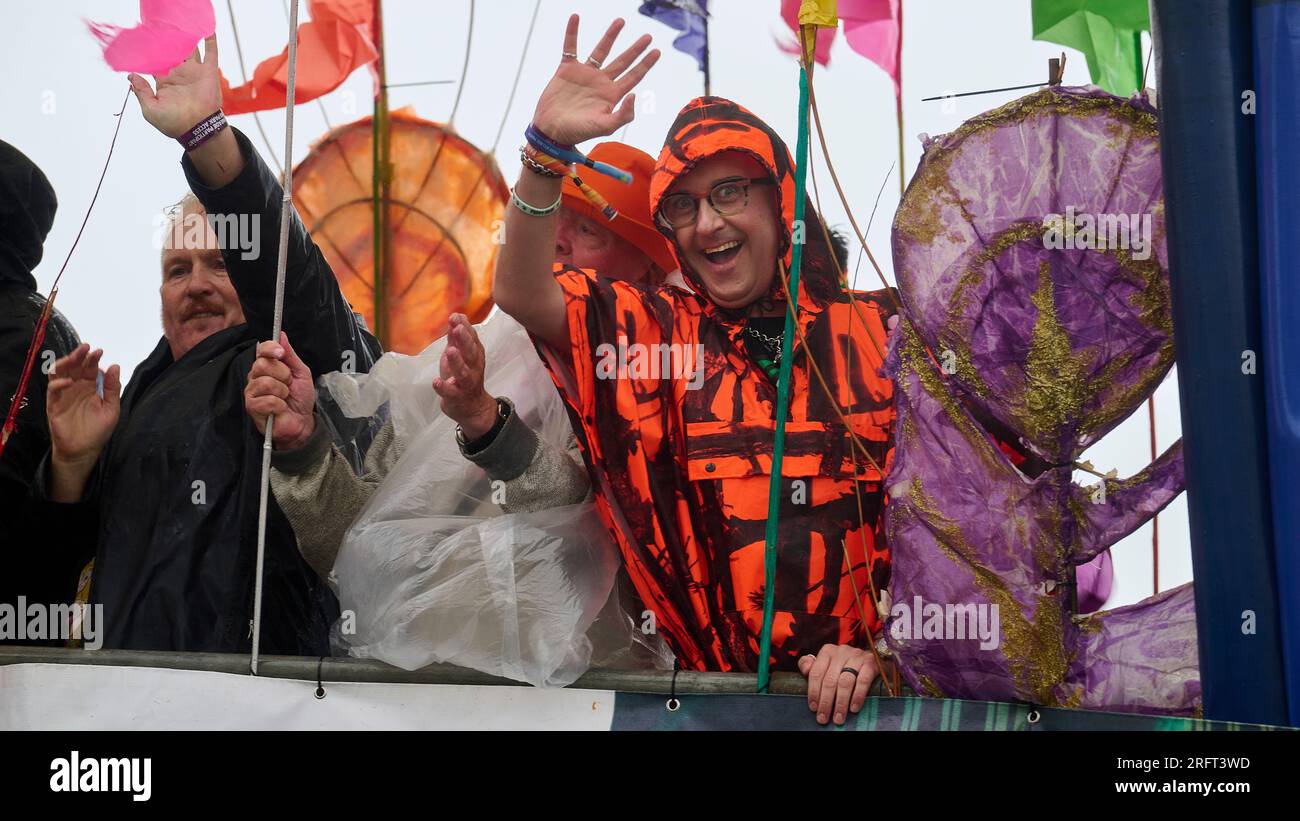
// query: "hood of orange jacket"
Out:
[711,125]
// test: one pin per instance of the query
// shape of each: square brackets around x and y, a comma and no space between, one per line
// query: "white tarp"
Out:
[92,697]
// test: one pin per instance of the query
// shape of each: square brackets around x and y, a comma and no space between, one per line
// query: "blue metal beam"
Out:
[1208,155]
[1276,25]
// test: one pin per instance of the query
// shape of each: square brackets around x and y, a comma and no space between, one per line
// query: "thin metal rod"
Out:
[286,207]
[421,83]
[1147,67]
[518,73]
[1155,520]
[986,91]
[469,42]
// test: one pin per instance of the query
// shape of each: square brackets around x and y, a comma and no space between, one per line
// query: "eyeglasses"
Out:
[727,198]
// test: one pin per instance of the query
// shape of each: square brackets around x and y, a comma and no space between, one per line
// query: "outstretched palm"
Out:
[579,103]
[81,421]
[185,95]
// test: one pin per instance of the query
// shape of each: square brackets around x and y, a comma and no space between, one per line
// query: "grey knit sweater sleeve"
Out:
[528,473]
[320,493]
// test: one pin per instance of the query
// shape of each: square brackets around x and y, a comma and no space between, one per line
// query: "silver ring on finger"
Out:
[593,62]
[568,55]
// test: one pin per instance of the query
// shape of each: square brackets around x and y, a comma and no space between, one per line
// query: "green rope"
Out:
[783,391]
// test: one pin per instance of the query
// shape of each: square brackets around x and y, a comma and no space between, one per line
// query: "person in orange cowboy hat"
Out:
[627,247]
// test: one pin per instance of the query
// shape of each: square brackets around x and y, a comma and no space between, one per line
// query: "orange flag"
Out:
[334,43]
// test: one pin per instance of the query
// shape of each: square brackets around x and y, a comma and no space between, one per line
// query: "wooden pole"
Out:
[381,179]
[898,103]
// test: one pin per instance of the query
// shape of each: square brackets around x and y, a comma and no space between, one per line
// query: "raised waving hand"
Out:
[588,98]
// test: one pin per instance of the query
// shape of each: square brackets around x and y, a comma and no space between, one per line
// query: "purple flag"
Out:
[689,17]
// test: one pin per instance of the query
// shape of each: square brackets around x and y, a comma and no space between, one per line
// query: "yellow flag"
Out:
[821,13]
[818,13]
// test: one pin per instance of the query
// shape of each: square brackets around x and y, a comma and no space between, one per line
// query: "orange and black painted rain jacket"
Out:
[681,459]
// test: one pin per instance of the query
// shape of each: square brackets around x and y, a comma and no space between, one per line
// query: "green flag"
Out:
[1108,32]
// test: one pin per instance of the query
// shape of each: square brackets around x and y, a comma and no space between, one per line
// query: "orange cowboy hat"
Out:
[632,202]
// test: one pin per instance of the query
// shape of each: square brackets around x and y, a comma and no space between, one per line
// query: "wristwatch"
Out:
[503,413]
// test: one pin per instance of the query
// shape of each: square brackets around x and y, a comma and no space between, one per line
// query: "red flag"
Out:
[334,43]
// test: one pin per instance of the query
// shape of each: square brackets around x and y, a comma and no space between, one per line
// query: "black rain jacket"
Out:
[175,493]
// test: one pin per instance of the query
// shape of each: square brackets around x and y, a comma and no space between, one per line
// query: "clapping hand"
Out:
[460,380]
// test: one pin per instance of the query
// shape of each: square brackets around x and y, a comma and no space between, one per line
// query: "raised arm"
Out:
[536,474]
[312,481]
[237,189]
[580,103]
[186,96]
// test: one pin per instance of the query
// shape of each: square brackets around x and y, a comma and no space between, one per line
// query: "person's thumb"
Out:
[113,386]
[297,368]
[143,92]
[210,49]
[626,112]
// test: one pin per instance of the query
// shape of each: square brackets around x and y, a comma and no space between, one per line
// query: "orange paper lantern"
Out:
[445,223]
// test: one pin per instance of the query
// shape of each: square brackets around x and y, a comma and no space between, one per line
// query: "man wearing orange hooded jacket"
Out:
[682,461]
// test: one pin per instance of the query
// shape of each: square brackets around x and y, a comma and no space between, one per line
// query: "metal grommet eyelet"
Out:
[1033,716]
[320,692]
[673,705]
[710,467]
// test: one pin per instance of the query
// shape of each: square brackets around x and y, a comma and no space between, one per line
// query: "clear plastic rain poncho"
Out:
[435,571]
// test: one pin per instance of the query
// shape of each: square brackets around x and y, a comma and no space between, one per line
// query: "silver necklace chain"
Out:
[774,341]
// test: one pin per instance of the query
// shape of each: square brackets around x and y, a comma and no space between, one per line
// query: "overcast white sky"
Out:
[59,98]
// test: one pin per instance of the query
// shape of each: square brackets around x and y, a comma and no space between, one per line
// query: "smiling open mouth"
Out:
[203,315]
[723,253]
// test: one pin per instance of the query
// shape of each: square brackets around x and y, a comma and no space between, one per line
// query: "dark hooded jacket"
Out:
[176,490]
[28,567]
[682,460]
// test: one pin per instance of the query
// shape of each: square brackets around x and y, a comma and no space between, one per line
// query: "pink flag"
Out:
[873,28]
[168,32]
